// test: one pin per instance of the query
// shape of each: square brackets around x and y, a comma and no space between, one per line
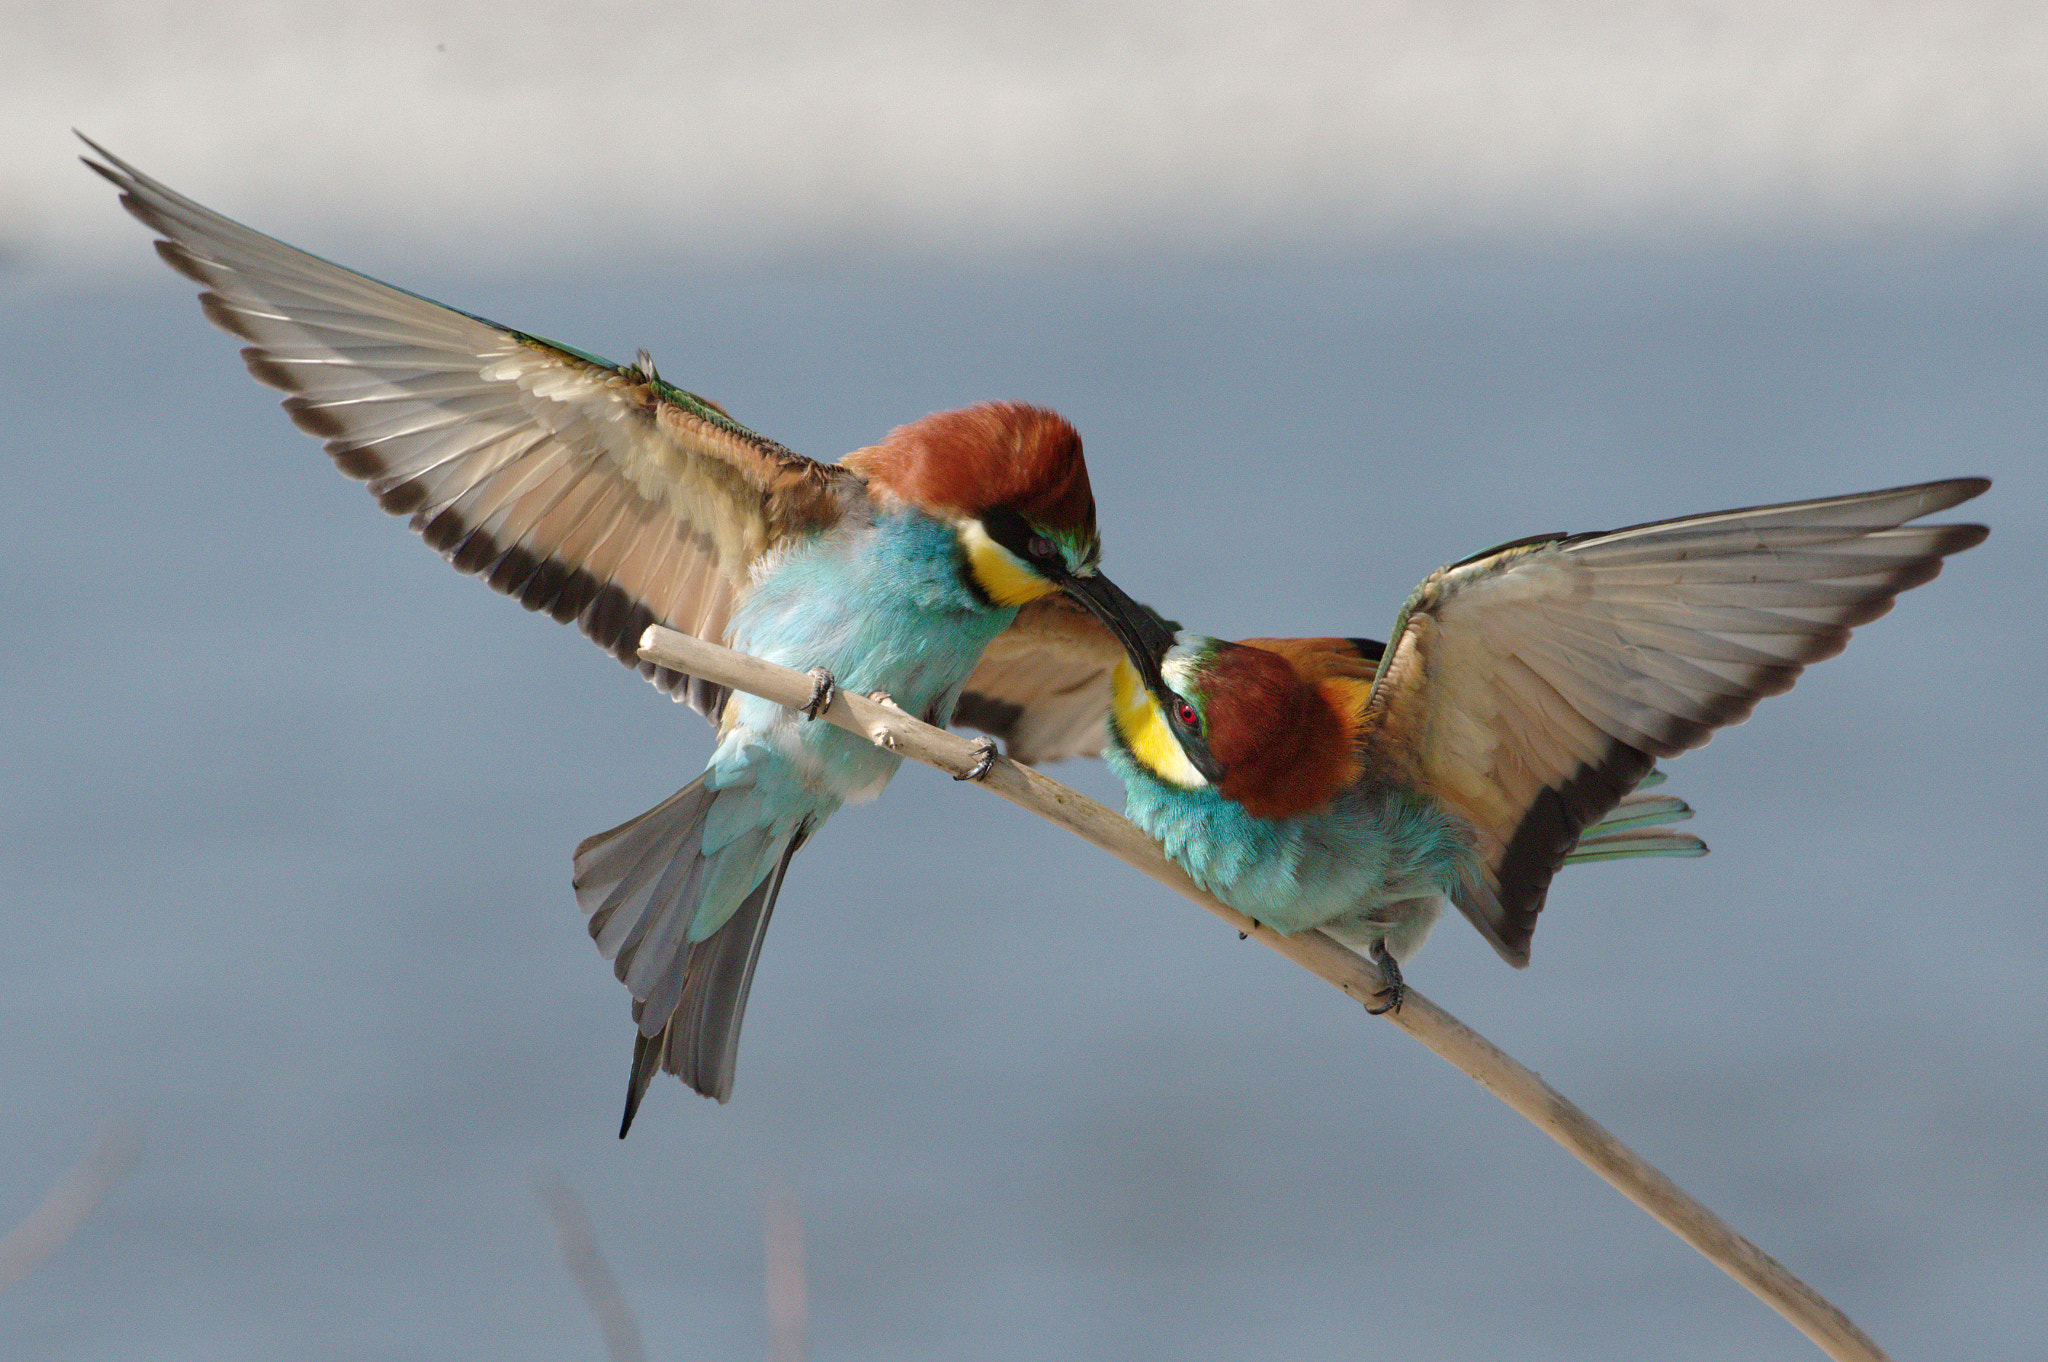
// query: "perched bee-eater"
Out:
[608,497]
[1525,694]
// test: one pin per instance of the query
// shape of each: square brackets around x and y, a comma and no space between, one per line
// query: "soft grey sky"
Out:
[516,130]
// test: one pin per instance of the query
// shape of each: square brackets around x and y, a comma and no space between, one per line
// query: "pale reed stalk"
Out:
[1479,1059]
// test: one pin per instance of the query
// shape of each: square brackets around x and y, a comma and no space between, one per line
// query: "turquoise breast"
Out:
[881,605]
[1366,849]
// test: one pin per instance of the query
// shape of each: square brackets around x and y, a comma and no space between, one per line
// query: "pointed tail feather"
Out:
[1638,826]
[647,1051]
[700,1040]
[648,886]
[1639,810]
[1626,845]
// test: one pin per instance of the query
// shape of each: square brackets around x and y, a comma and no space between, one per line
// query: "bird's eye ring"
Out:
[1186,713]
[1038,546]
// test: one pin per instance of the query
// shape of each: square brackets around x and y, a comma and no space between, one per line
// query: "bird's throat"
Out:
[1142,725]
[1003,579]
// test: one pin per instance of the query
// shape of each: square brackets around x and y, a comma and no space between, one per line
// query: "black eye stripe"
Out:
[1016,534]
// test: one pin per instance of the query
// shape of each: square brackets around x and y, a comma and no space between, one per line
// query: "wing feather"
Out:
[1535,685]
[1044,684]
[593,491]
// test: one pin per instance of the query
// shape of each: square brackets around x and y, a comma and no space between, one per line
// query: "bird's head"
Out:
[1250,719]
[1013,483]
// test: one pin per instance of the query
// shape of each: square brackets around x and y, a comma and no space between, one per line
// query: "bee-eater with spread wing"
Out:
[606,496]
[1524,697]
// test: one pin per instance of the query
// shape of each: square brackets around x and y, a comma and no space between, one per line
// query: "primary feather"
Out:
[605,496]
[1535,685]
[1512,725]
[595,492]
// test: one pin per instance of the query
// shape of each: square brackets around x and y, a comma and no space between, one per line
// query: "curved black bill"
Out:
[1144,635]
[1146,638]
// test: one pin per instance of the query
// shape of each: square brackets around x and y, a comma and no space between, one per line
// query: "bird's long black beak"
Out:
[1146,638]
[1144,635]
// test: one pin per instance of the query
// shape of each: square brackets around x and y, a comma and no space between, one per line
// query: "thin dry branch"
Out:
[587,1266]
[1479,1059]
[784,1280]
[69,1202]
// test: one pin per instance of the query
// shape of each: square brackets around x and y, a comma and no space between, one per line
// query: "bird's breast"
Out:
[1368,849]
[881,606]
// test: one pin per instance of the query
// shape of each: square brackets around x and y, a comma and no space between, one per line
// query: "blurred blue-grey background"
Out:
[1336,293]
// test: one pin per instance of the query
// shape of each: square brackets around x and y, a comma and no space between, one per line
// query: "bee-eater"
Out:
[606,496]
[1526,693]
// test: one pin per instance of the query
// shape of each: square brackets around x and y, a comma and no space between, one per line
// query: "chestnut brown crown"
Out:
[991,456]
[1282,718]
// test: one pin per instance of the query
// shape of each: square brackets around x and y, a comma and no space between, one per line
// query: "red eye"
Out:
[1185,712]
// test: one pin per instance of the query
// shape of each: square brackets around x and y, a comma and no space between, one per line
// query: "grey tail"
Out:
[700,1043]
[641,883]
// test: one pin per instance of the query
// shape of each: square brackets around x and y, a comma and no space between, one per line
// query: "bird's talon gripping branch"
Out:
[1395,990]
[985,757]
[823,688]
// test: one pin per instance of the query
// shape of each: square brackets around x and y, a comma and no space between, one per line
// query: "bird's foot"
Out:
[985,757]
[1392,995]
[823,688]
[880,733]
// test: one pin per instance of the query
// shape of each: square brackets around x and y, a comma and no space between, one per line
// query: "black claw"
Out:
[823,688]
[986,747]
[1395,990]
[1244,936]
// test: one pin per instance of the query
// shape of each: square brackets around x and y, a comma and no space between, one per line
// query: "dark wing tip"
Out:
[1548,830]
[1955,491]
[178,258]
[109,167]
[1960,537]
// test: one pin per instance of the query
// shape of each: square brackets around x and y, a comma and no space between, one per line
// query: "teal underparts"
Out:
[881,605]
[1367,849]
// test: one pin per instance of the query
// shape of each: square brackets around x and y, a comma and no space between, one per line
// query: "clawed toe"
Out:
[985,750]
[823,688]
[1391,996]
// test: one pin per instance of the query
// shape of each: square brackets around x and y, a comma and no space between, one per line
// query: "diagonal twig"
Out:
[586,1264]
[39,1233]
[784,1281]
[1479,1059]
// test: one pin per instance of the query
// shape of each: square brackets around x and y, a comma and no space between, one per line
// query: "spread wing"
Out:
[1043,685]
[1532,687]
[593,491]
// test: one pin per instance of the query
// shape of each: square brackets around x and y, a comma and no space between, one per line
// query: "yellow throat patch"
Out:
[1143,727]
[996,570]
